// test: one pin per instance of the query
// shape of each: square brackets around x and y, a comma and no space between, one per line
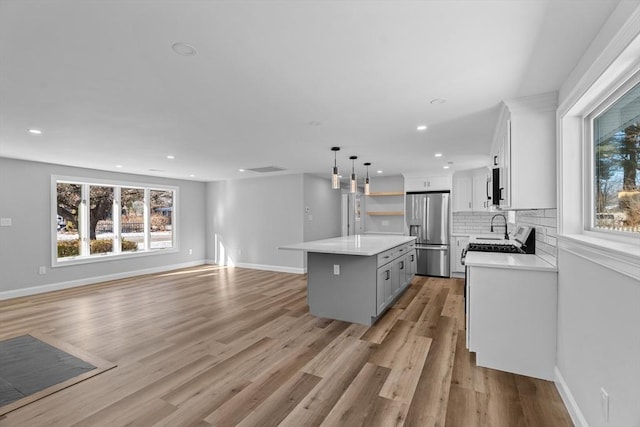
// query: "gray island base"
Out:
[356,278]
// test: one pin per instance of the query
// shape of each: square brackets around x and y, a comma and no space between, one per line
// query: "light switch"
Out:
[5,222]
[336,269]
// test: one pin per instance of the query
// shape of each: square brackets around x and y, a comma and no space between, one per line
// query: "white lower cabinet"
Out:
[459,244]
[511,319]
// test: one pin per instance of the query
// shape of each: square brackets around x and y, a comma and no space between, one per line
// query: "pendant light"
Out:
[354,182]
[366,181]
[335,178]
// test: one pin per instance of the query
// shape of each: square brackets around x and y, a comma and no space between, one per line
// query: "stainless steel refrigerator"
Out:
[427,216]
[352,221]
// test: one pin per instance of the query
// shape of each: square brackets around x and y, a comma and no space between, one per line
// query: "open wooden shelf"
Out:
[386,213]
[386,193]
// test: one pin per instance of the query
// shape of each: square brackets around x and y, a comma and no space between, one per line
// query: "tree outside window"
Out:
[617,164]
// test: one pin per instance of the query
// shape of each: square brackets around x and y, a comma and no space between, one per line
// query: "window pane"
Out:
[67,213]
[100,220]
[617,156]
[132,219]
[161,221]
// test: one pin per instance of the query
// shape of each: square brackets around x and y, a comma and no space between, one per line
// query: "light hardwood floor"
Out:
[215,346]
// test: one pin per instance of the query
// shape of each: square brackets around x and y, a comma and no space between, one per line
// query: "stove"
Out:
[505,247]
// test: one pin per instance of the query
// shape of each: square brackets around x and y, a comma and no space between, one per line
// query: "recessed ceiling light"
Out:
[438,155]
[421,127]
[119,166]
[379,171]
[171,157]
[35,131]
[184,49]
[438,101]
[446,167]
[240,170]
[191,175]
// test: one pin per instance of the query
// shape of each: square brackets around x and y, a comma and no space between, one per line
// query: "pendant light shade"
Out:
[366,181]
[354,182]
[335,178]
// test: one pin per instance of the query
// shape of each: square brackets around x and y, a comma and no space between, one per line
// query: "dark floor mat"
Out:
[36,365]
[29,365]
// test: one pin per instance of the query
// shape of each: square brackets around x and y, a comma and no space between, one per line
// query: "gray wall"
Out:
[247,219]
[25,246]
[598,344]
[323,219]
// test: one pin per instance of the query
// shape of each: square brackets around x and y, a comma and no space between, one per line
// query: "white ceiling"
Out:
[276,83]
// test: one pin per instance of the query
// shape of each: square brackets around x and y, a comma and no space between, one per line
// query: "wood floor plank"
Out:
[276,408]
[430,400]
[220,346]
[358,401]
[318,403]
[381,328]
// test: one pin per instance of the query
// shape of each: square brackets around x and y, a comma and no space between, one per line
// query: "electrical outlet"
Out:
[5,222]
[190,251]
[42,270]
[336,269]
[604,403]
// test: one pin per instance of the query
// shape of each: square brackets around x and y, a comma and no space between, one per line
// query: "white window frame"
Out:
[85,257]
[589,166]
[584,93]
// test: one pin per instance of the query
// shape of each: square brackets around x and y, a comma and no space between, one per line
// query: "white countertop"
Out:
[359,244]
[504,260]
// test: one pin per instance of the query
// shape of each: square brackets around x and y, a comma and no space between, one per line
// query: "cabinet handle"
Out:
[501,188]
[469,205]
[487,192]
[387,275]
[495,160]
[411,258]
[387,257]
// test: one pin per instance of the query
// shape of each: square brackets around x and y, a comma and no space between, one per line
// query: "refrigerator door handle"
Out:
[426,218]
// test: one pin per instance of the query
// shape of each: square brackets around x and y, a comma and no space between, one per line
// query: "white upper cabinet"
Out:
[462,194]
[471,191]
[525,149]
[427,183]
[481,190]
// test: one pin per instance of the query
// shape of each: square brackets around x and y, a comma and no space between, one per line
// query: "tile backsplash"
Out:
[543,220]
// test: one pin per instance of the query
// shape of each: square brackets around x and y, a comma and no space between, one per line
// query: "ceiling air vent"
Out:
[266,169]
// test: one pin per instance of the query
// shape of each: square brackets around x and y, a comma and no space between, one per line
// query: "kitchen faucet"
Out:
[506,234]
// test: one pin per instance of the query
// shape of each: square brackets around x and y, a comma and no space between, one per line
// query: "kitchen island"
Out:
[355,278]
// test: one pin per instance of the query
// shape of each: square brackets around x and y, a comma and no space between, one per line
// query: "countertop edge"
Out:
[396,240]
[508,261]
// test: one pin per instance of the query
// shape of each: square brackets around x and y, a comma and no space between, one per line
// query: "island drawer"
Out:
[386,256]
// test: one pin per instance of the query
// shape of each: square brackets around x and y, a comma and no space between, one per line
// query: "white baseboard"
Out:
[278,268]
[33,290]
[570,403]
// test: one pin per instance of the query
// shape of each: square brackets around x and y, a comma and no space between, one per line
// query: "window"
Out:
[616,164]
[94,220]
